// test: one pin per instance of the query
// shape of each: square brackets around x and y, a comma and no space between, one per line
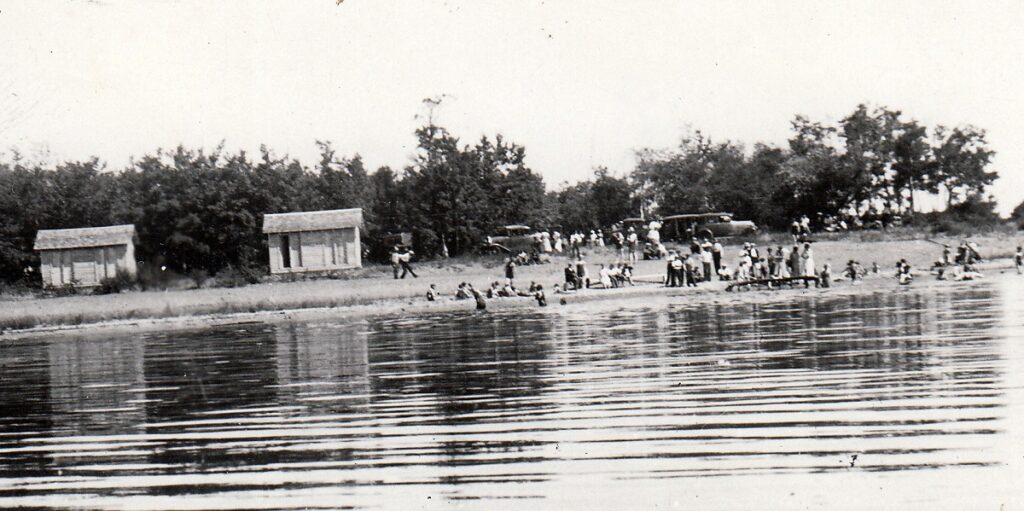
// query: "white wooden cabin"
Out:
[314,241]
[84,257]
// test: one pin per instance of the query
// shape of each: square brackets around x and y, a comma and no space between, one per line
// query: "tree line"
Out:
[198,210]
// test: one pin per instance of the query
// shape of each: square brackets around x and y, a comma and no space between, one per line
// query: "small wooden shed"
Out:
[84,257]
[314,240]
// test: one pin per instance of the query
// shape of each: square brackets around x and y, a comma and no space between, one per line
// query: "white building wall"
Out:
[316,251]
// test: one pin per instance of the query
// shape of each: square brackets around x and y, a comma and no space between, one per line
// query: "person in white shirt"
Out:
[632,241]
[808,261]
[604,276]
[708,263]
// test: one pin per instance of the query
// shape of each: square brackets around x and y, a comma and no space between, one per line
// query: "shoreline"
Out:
[705,293]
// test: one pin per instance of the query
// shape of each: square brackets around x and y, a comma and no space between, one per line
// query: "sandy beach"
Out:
[378,294]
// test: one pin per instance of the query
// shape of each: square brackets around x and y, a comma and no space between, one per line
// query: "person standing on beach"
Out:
[707,261]
[404,259]
[794,262]
[570,276]
[1018,260]
[678,270]
[692,269]
[582,278]
[716,255]
[808,261]
[510,269]
[632,241]
[396,258]
[670,272]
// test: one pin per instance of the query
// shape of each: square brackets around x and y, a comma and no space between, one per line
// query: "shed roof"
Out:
[53,239]
[312,220]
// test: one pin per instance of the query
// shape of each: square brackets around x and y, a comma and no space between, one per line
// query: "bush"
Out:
[233,276]
[121,281]
[199,277]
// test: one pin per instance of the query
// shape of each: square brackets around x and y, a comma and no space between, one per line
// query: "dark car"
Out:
[510,239]
[705,225]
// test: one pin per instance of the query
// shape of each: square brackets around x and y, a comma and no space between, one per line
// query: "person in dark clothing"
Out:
[538,293]
[404,259]
[510,269]
[670,271]
[570,276]
[481,304]
[716,255]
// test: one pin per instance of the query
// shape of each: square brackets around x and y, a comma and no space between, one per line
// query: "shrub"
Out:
[233,276]
[199,276]
[121,281]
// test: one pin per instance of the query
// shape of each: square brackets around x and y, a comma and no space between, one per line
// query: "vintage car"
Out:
[638,224]
[510,239]
[705,226]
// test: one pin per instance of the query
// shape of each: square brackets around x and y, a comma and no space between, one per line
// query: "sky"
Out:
[578,83]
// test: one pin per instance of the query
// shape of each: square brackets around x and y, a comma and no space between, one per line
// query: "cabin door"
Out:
[286,251]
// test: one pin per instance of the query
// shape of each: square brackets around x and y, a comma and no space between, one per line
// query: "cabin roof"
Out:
[88,237]
[304,221]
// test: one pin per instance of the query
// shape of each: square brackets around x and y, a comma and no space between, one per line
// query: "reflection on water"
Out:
[910,399]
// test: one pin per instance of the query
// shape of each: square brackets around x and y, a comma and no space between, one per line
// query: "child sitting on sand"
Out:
[432,293]
[462,293]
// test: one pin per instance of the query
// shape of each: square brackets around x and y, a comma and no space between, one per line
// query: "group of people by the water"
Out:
[703,261]
[963,265]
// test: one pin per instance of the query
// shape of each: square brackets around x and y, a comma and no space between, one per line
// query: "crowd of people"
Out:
[703,261]
[631,243]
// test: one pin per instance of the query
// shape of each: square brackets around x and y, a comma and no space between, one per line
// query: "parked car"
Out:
[510,239]
[704,225]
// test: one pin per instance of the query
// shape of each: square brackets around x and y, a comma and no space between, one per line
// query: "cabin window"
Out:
[286,251]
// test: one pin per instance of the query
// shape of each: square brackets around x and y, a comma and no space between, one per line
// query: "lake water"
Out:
[896,400]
